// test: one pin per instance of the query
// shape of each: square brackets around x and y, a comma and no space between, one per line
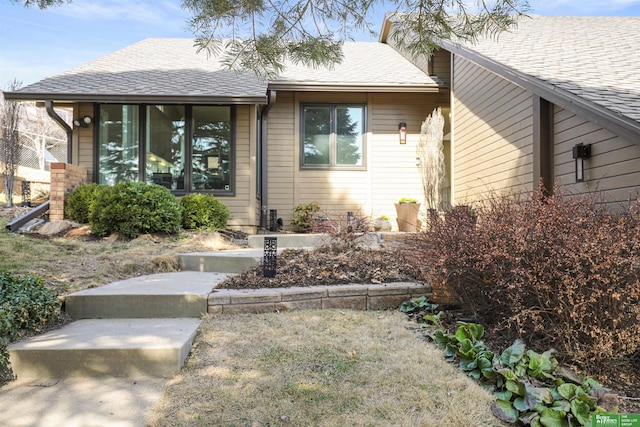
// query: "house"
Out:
[556,99]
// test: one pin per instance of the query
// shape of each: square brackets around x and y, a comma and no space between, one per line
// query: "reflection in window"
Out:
[119,130]
[211,148]
[317,134]
[349,131]
[333,135]
[165,145]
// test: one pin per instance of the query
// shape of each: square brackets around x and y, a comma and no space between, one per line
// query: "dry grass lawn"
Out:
[319,368]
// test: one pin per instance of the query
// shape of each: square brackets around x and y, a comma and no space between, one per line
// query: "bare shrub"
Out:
[557,271]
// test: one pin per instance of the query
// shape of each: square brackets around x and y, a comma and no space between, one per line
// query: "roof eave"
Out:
[132,98]
[623,126]
[328,87]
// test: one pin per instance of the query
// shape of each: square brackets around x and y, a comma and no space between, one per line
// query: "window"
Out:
[211,159]
[165,150]
[185,148]
[333,136]
[119,147]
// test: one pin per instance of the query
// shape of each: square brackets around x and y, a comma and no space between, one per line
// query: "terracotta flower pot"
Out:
[408,216]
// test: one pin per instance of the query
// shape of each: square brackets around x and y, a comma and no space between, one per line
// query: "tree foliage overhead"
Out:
[42,4]
[260,35]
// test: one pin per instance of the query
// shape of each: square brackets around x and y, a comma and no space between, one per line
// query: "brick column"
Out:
[64,177]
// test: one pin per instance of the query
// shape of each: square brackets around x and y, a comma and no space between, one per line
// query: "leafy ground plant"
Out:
[530,388]
[319,368]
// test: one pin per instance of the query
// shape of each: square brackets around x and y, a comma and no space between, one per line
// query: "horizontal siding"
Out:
[493,134]
[614,165]
[280,156]
[242,205]
[391,170]
[83,146]
[441,66]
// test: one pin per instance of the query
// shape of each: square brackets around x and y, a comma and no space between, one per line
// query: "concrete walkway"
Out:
[112,395]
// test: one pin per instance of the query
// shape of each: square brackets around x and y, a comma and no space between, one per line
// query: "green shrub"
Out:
[78,203]
[559,272]
[203,212]
[304,216]
[25,304]
[134,208]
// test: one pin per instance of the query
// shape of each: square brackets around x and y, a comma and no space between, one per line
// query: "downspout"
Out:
[52,113]
[264,113]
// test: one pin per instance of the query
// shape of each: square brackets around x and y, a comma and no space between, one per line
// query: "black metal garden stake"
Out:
[270,259]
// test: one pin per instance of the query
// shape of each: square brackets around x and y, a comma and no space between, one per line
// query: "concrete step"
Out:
[303,241]
[106,348]
[232,261]
[168,295]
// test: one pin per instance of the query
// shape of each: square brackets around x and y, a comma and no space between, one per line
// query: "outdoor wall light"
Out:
[83,122]
[402,133]
[581,152]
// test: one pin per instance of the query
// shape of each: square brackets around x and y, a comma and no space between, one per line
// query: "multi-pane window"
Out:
[333,135]
[184,148]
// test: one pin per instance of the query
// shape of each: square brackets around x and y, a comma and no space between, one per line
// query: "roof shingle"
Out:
[595,58]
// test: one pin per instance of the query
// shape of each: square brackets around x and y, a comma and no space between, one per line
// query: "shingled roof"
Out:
[369,66]
[153,70]
[171,70]
[583,63]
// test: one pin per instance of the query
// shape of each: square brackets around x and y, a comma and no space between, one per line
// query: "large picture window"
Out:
[165,149]
[333,136]
[119,144]
[211,157]
[184,148]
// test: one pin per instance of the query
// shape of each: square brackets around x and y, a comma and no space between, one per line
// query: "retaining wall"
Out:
[354,297]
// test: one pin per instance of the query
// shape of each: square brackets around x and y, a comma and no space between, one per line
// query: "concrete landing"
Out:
[181,294]
[233,261]
[106,347]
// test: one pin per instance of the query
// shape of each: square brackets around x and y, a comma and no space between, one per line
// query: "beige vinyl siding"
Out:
[337,191]
[242,205]
[280,156]
[391,170]
[441,66]
[83,145]
[612,167]
[493,138]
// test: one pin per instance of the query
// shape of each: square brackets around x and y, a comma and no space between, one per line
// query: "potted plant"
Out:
[382,223]
[407,209]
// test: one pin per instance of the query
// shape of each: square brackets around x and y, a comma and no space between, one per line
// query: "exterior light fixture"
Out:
[581,152]
[82,122]
[402,133]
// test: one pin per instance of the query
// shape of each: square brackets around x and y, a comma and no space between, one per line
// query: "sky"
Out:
[35,43]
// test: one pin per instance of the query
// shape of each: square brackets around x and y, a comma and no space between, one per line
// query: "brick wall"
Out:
[64,177]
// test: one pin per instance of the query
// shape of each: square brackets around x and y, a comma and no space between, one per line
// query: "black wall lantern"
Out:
[402,133]
[82,122]
[581,152]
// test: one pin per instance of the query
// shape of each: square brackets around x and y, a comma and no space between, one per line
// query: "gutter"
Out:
[52,113]
[33,213]
[264,114]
